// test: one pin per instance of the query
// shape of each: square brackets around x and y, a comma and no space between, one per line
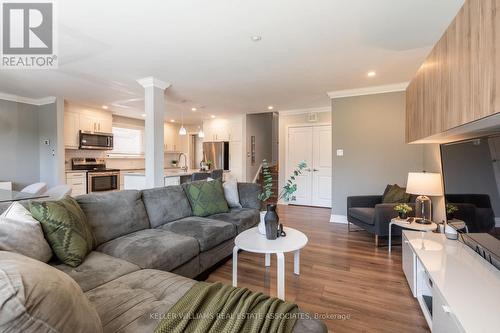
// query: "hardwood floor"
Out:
[342,274]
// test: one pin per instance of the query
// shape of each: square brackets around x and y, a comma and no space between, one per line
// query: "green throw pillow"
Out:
[396,194]
[206,197]
[65,227]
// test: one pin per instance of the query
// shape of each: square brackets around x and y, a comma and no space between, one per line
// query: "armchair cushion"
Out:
[395,194]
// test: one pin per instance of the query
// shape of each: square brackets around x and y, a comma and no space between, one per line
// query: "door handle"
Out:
[315,170]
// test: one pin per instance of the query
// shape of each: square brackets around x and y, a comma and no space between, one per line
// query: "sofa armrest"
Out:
[249,193]
[365,201]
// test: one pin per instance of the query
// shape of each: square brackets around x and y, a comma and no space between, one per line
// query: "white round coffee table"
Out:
[413,226]
[252,241]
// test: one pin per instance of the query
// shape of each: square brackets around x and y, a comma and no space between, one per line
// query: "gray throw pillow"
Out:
[21,233]
[231,194]
[37,298]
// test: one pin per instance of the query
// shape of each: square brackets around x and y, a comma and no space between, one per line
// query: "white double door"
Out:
[312,144]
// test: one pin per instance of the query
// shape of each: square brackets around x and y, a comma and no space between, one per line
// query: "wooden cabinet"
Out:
[460,80]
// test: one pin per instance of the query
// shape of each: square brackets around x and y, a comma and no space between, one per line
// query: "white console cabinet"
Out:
[457,290]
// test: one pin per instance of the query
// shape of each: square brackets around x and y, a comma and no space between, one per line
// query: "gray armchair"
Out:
[369,213]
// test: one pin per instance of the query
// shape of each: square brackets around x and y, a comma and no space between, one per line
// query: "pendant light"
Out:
[182,130]
[201,134]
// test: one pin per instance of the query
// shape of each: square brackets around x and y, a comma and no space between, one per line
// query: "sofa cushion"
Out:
[249,195]
[136,302]
[152,248]
[209,233]
[231,193]
[37,298]
[21,233]
[166,204]
[365,215]
[97,269]
[65,227]
[242,218]
[114,214]
[206,197]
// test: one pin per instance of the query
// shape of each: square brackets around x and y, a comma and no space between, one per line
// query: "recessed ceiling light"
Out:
[256,38]
[270,107]
[172,120]
[144,115]
[105,107]
[212,116]
[193,109]
[371,74]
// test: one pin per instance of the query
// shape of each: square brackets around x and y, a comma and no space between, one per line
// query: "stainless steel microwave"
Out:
[95,140]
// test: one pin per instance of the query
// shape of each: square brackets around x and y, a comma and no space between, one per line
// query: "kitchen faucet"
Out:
[184,167]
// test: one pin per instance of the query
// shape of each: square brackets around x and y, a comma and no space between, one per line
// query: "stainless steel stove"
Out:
[99,178]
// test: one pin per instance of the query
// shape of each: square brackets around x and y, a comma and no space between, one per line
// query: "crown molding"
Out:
[150,81]
[368,90]
[27,100]
[304,111]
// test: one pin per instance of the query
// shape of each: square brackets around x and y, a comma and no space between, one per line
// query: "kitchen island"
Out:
[137,180]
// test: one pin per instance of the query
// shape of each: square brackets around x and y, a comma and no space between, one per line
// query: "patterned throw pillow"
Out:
[206,198]
[65,227]
[396,194]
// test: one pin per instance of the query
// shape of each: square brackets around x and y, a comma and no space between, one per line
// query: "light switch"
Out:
[46,142]
[340,152]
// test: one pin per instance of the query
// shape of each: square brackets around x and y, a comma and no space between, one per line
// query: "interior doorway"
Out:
[312,144]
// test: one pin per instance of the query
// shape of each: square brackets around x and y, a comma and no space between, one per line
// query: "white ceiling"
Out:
[204,49]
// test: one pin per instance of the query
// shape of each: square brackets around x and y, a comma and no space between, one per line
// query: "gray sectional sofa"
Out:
[149,247]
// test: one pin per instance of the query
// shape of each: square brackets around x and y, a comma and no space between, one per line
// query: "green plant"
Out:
[403,208]
[288,191]
[451,208]
[267,183]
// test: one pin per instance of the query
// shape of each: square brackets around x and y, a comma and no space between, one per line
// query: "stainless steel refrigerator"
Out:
[217,153]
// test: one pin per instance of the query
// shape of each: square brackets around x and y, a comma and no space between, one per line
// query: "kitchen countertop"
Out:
[168,173]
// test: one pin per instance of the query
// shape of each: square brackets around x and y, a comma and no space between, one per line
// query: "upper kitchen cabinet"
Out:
[171,138]
[460,80]
[96,122]
[230,129]
[78,118]
[71,128]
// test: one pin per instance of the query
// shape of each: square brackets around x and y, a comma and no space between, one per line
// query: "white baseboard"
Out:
[338,219]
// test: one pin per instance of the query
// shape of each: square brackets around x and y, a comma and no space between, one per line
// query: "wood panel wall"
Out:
[460,80]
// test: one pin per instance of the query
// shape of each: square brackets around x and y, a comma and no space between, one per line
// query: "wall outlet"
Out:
[340,152]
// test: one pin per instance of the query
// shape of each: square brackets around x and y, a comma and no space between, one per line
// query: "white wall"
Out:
[371,131]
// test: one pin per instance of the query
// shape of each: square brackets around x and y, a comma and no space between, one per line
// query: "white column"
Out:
[154,108]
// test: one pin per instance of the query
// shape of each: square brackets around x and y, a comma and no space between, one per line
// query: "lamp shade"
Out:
[424,183]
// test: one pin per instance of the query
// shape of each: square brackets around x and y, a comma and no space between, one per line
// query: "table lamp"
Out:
[424,184]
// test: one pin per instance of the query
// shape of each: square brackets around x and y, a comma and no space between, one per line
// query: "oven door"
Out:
[103,181]
[102,141]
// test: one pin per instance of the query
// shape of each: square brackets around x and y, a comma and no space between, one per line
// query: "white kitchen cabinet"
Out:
[96,122]
[443,319]
[409,265]
[171,181]
[71,128]
[171,138]
[78,182]
[217,130]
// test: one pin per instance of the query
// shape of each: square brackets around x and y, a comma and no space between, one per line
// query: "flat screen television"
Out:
[471,174]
